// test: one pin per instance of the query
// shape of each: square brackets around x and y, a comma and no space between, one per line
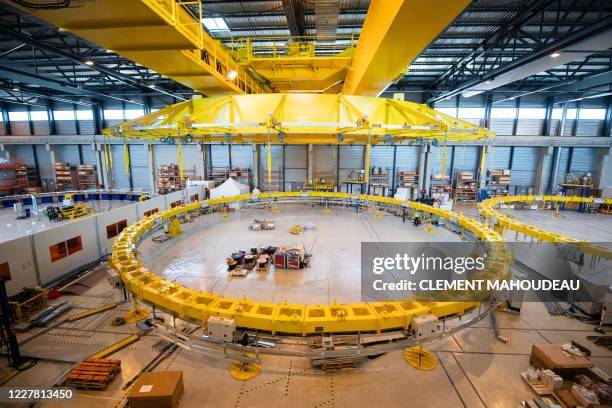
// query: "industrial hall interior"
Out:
[317,203]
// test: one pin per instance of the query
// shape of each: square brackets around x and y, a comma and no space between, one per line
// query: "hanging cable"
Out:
[179,158]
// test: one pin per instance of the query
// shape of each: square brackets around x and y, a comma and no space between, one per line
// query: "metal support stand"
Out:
[7,323]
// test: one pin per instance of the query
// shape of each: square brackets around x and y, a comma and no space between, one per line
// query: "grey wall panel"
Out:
[112,122]
[25,152]
[563,163]
[41,127]
[18,254]
[2,132]
[87,127]
[88,154]
[529,127]
[324,158]
[466,158]
[20,128]
[546,172]
[502,126]
[242,156]
[407,158]
[139,164]
[381,156]
[65,127]
[569,127]
[554,125]
[524,166]
[583,160]
[45,168]
[589,127]
[219,156]
[351,158]
[119,173]
[436,157]
[276,154]
[67,153]
[499,158]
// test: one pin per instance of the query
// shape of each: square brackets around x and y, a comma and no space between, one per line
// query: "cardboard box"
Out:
[162,389]
[554,357]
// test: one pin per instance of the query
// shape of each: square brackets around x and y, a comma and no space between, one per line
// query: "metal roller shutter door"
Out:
[24,152]
[120,178]
[67,154]
[219,156]
[563,162]
[89,155]
[324,158]
[499,158]
[524,166]
[351,158]
[583,160]
[382,156]
[139,164]
[192,160]
[242,156]
[164,154]
[407,158]
[502,126]
[437,156]
[65,127]
[466,158]
[296,167]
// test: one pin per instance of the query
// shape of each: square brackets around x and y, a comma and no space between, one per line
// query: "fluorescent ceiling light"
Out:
[232,75]
[555,54]
[89,62]
[215,24]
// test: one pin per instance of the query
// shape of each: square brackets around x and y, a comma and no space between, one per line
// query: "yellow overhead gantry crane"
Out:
[167,36]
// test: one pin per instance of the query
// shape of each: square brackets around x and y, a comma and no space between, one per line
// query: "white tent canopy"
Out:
[229,188]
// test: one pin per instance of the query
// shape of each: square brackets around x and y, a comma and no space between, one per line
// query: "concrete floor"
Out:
[11,227]
[474,369]
[198,259]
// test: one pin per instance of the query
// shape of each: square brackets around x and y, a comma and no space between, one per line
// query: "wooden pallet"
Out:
[93,374]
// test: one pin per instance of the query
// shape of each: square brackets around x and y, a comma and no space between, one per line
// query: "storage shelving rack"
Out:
[409,180]
[218,174]
[169,178]
[273,184]
[379,181]
[441,188]
[465,187]
[241,175]
[65,176]
[27,177]
[86,175]
[498,182]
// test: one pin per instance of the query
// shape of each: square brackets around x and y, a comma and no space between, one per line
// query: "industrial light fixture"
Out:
[16,88]
[89,63]
[152,86]
[232,75]
[215,24]
[488,81]
[555,54]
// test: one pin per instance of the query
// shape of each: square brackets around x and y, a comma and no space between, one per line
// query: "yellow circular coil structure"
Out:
[500,222]
[302,118]
[285,318]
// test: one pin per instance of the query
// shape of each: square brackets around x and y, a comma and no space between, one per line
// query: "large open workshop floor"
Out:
[474,369]
[11,227]
[197,258]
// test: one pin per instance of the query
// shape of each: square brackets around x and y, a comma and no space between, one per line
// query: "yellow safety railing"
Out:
[289,318]
[501,222]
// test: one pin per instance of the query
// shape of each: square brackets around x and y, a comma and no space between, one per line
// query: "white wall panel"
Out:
[128,213]
[18,254]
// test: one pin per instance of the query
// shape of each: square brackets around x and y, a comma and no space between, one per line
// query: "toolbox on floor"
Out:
[162,389]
